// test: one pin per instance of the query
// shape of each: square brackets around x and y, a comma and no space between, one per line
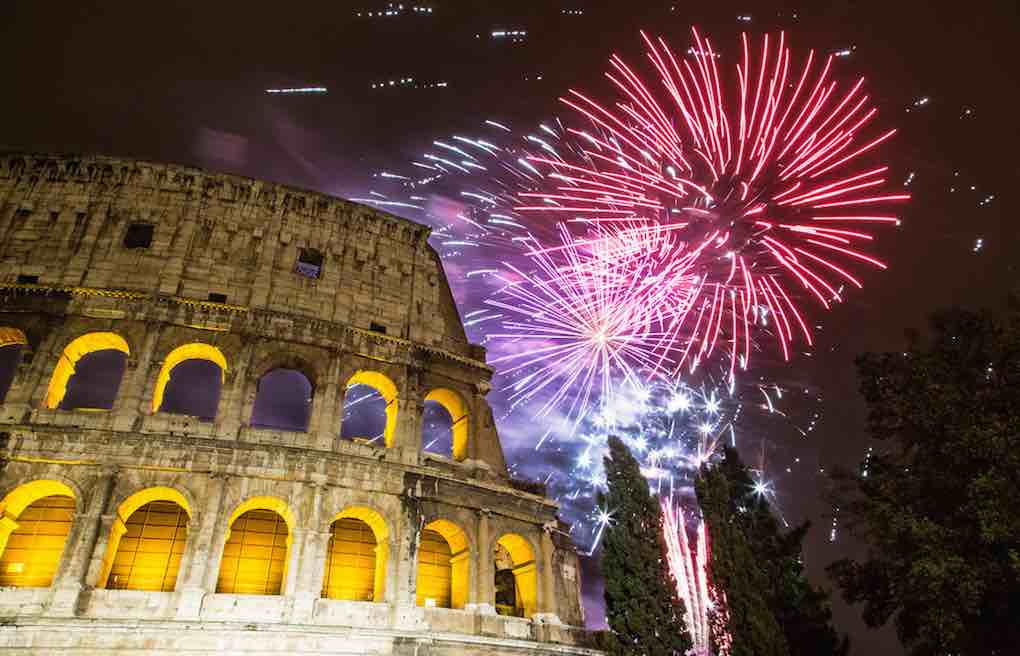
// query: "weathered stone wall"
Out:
[63,220]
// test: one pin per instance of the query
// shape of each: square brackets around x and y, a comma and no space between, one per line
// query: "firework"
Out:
[771,196]
[690,573]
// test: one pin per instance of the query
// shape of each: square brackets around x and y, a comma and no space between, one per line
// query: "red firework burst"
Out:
[767,198]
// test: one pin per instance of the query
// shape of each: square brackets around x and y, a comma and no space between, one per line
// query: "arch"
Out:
[257,548]
[72,354]
[10,336]
[283,400]
[35,520]
[454,404]
[443,566]
[193,351]
[12,343]
[146,541]
[382,384]
[521,556]
[357,556]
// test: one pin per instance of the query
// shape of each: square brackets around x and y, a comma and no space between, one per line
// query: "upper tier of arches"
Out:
[191,377]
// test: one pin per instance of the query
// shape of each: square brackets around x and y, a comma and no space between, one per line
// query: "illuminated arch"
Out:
[12,336]
[193,351]
[35,520]
[12,343]
[459,426]
[525,576]
[144,549]
[356,568]
[256,551]
[443,565]
[382,384]
[74,352]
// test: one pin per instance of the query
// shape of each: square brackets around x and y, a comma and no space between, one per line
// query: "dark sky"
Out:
[184,82]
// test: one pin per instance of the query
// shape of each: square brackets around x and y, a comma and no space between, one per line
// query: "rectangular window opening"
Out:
[309,263]
[217,298]
[138,235]
[377,327]
[28,280]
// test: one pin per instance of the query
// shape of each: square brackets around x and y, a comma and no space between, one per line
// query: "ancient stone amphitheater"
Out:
[176,347]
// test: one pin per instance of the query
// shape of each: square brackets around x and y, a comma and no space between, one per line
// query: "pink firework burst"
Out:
[766,184]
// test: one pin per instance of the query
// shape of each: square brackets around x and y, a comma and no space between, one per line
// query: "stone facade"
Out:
[379,305]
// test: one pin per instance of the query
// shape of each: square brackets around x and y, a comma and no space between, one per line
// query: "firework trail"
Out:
[690,573]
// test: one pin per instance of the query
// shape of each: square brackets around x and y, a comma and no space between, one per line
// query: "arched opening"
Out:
[516,578]
[89,372]
[12,345]
[370,409]
[257,547]
[283,401]
[445,424]
[147,542]
[443,566]
[356,556]
[190,380]
[36,520]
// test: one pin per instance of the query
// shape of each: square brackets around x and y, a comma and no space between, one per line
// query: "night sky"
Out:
[185,83]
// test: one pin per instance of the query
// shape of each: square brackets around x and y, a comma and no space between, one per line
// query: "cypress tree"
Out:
[734,570]
[747,528]
[642,607]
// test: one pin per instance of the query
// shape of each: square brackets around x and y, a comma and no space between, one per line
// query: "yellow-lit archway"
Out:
[443,566]
[74,352]
[454,404]
[12,342]
[382,384]
[356,556]
[193,351]
[257,548]
[146,541]
[12,337]
[522,558]
[35,520]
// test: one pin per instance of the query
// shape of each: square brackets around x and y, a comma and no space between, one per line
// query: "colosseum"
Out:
[177,349]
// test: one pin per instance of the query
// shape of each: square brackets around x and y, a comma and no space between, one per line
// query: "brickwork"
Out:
[380,304]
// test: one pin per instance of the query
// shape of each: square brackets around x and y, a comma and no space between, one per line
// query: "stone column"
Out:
[310,548]
[173,267]
[232,408]
[548,608]
[311,570]
[36,381]
[408,433]
[127,407]
[202,552]
[84,551]
[327,406]
[408,538]
[485,591]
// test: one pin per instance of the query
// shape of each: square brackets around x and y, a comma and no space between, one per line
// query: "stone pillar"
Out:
[548,608]
[32,393]
[408,433]
[485,590]
[127,407]
[309,546]
[84,551]
[311,569]
[408,615]
[232,409]
[327,406]
[202,553]
[173,266]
